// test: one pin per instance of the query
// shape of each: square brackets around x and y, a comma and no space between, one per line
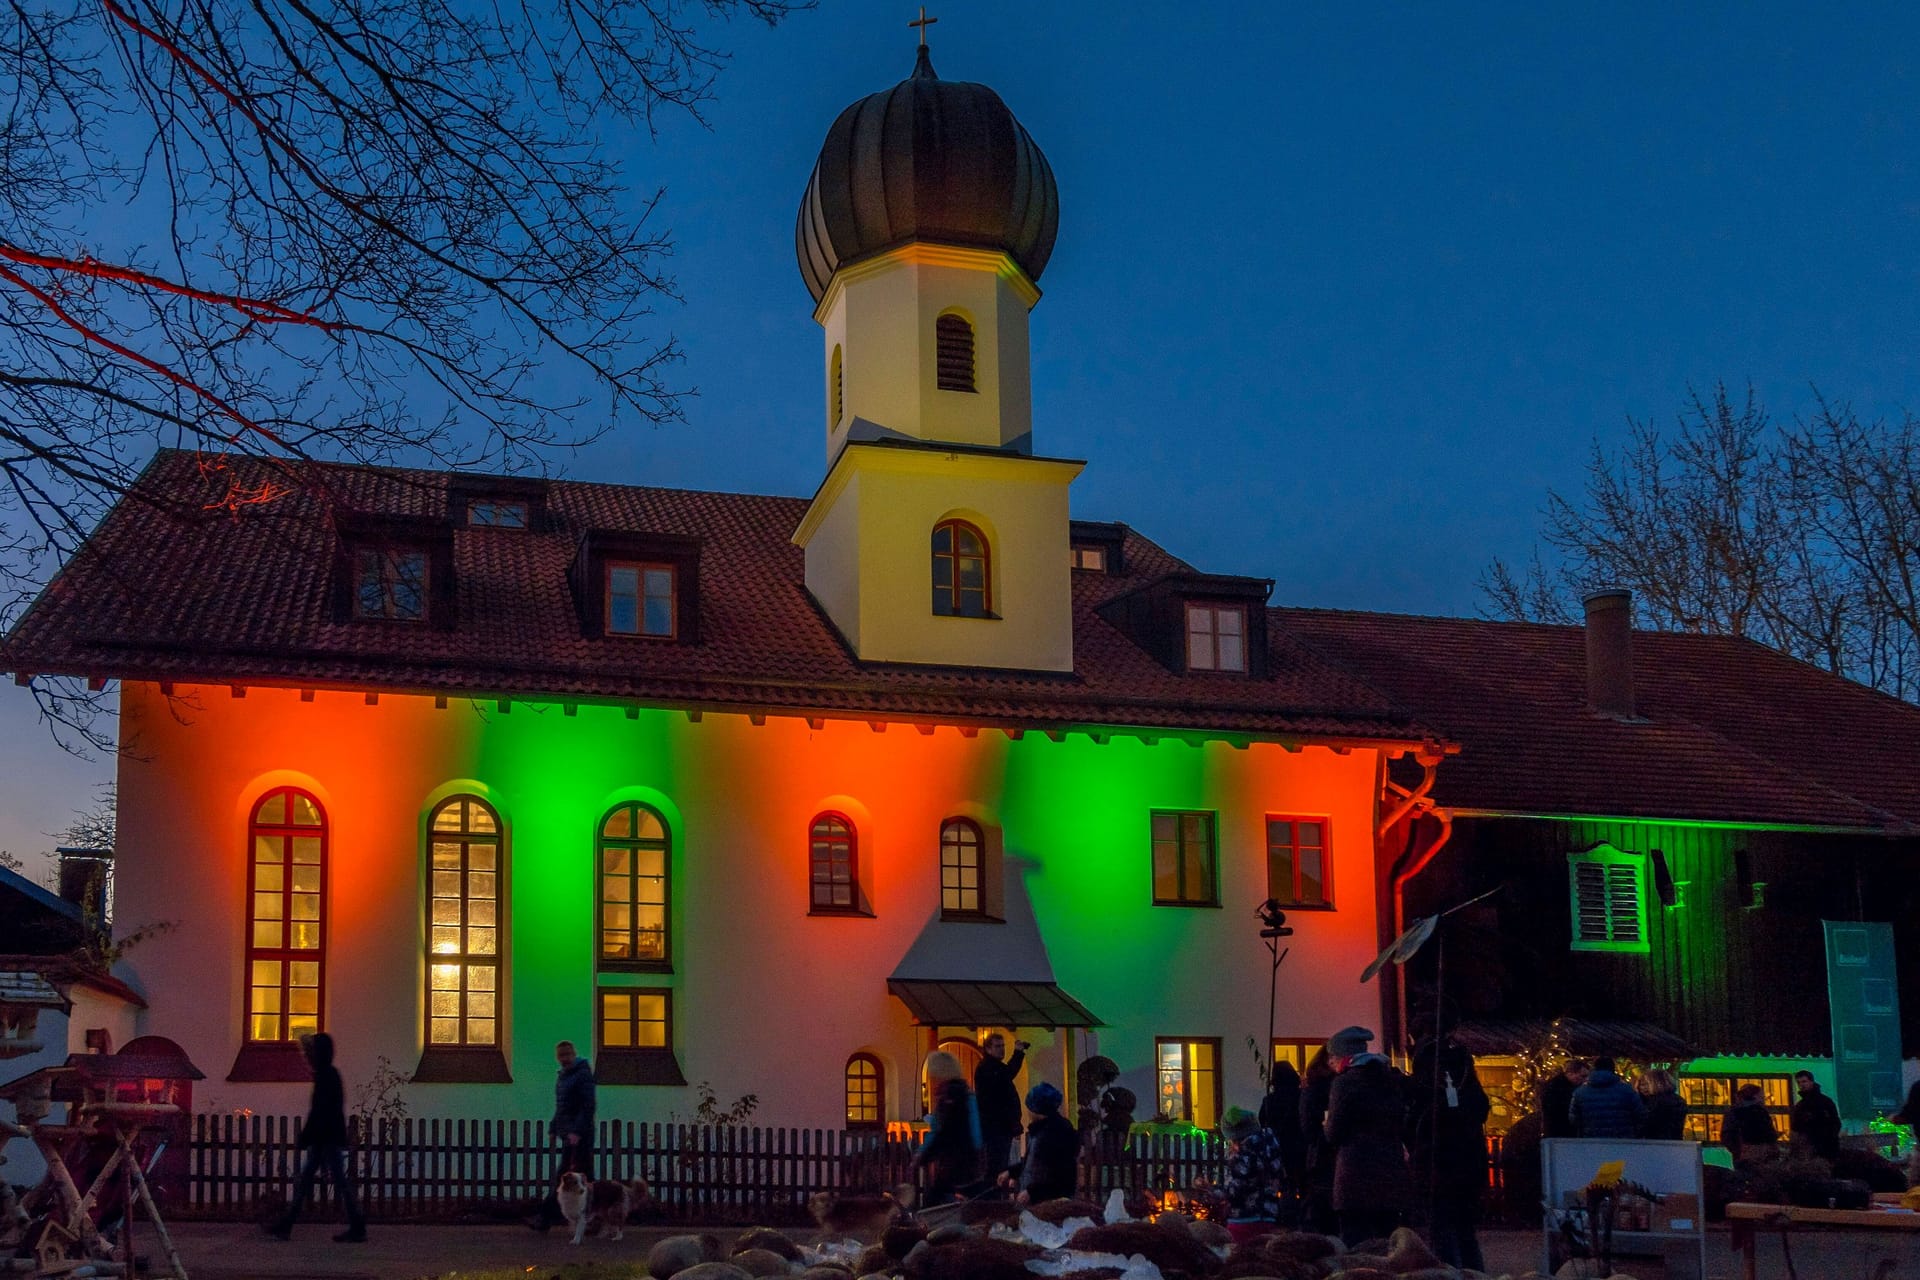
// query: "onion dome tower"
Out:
[937,536]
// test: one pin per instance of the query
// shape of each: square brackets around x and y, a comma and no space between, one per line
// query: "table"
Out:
[1749,1220]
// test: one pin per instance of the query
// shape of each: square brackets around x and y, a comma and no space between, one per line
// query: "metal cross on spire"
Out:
[923,24]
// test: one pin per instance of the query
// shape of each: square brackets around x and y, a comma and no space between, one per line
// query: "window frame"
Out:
[953,592]
[1702,1122]
[856,900]
[1187,1072]
[1292,900]
[1215,610]
[879,1078]
[634,962]
[385,553]
[836,388]
[1303,1047]
[635,1064]
[285,955]
[1607,857]
[1212,898]
[950,327]
[1079,552]
[478,502]
[641,568]
[978,911]
[467,960]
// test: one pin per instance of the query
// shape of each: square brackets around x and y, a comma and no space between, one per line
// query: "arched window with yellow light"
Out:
[465,866]
[866,1082]
[634,891]
[286,926]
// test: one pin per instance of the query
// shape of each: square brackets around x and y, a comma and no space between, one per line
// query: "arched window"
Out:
[866,1092]
[953,344]
[962,867]
[634,851]
[835,403]
[286,927]
[834,863]
[961,577]
[463,924]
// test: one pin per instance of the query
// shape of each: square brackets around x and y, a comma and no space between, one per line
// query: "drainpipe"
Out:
[1409,807]
[1401,876]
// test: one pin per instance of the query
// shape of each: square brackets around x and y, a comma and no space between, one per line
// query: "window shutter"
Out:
[1623,903]
[1590,896]
[1607,901]
[953,338]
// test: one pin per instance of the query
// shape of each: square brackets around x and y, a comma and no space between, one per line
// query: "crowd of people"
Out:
[1592,1100]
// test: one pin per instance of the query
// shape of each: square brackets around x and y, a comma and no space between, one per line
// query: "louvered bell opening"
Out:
[1608,902]
[836,401]
[954,341]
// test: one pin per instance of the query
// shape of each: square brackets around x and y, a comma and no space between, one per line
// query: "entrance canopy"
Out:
[935,1003]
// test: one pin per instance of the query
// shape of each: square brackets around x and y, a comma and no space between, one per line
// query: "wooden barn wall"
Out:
[1730,977]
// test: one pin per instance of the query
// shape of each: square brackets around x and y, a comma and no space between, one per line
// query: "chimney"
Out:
[1610,651]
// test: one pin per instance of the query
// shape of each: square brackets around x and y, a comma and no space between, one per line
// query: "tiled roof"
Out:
[1727,730]
[224,598]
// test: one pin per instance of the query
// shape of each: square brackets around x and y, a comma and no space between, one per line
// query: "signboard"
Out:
[1864,994]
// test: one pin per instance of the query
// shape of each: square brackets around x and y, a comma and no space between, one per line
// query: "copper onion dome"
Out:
[929,159]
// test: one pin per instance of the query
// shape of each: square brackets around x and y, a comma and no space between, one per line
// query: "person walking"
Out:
[1255,1175]
[1747,1129]
[1316,1090]
[1280,1116]
[1665,1118]
[1606,1106]
[1366,1119]
[1814,1122]
[950,1155]
[1050,1169]
[998,1098]
[324,1138]
[1556,1099]
[1447,1116]
[575,1096]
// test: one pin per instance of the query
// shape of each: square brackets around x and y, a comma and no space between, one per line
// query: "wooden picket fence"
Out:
[433,1169]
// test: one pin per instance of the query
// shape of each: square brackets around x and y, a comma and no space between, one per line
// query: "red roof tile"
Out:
[246,598]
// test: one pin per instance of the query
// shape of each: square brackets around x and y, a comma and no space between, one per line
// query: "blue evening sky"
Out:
[1340,291]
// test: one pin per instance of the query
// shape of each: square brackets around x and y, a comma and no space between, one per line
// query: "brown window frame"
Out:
[955,344]
[978,911]
[641,568]
[1303,1047]
[1292,898]
[385,555]
[1088,559]
[1187,1072]
[285,955]
[633,962]
[1217,611]
[465,959]
[854,905]
[948,601]
[879,1077]
[1212,898]
[600,1020]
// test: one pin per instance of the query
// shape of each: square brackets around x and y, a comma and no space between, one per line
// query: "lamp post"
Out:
[1273,927]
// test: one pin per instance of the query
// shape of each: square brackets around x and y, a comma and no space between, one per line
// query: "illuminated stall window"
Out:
[963,853]
[1297,864]
[833,858]
[866,1092]
[1183,860]
[1708,1097]
[463,924]
[961,571]
[634,854]
[953,351]
[286,928]
[1189,1079]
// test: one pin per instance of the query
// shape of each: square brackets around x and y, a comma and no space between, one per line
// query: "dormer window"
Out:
[1092,559]
[641,599]
[953,342]
[390,583]
[497,513]
[1216,637]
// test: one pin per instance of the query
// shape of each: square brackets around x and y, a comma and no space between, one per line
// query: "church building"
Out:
[770,794]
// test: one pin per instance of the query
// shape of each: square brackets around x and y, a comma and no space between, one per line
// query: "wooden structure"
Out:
[1749,1220]
[119,1109]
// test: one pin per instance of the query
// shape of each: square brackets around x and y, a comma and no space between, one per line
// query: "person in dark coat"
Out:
[1666,1111]
[1556,1100]
[950,1155]
[1446,1124]
[1366,1120]
[998,1098]
[575,1096]
[1747,1130]
[1315,1092]
[324,1138]
[1606,1106]
[1815,1121]
[1280,1116]
[1051,1167]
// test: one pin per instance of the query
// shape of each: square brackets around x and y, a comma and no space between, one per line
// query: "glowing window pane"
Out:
[304,1000]
[302,1025]
[446,939]
[270,878]
[481,912]
[266,973]
[266,1026]
[446,1004]
[445,1030]
[480,977]
[306,906]
[619,824]
[480,1031]
[480,884]
[306,849]
[267,935]
[650,826]
[446,977]
[480,942]
[480,1004]
[446,856]
[305,936]
[305,973]
[273,810]
[266,906]
[305,812]
[446,911]
[447,818]
[269,849]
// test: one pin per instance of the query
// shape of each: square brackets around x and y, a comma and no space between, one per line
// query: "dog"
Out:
[863,1217]
[599,1205]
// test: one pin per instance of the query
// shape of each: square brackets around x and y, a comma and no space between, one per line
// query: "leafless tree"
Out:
[295,229]
[94,827]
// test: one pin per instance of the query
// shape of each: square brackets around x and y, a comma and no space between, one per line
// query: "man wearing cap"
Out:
[1366,1119]
[1254,1174]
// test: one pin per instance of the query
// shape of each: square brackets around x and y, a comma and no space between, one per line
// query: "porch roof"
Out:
[990,1004]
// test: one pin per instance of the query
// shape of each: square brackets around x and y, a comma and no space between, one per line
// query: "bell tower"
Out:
[937,535]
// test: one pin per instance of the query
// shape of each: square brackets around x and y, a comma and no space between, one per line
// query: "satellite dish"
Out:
[1404,947]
